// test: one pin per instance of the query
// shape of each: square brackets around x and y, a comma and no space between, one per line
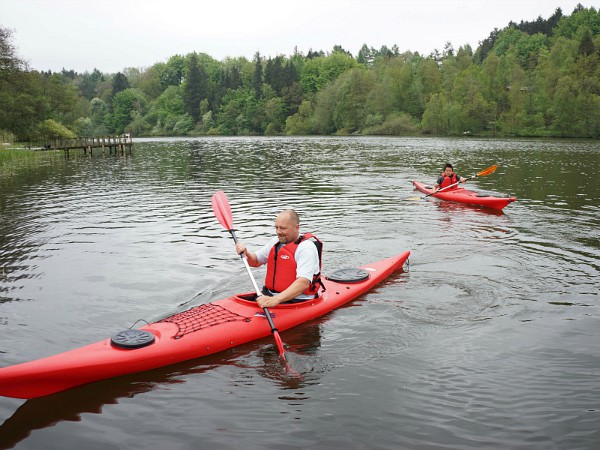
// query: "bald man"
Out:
[293,263]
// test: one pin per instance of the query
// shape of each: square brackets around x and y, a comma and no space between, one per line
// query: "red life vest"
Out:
[281,266]
[449,181]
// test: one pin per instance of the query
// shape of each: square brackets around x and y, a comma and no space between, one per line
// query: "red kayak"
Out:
[462,195]
[197,332]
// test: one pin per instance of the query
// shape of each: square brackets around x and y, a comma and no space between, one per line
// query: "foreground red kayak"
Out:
[461,195]
[197,332]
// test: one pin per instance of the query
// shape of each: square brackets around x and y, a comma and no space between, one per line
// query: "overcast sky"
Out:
[111,35]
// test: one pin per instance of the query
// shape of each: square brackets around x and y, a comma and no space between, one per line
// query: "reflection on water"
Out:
[70,405]
[489,341]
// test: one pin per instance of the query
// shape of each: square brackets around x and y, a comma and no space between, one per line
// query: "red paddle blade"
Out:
[279,343]
[222,210]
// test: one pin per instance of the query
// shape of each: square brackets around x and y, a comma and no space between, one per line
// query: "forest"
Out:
[531,79]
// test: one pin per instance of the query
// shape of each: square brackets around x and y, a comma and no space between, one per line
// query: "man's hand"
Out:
[296,288]
[240,248]
[264,301]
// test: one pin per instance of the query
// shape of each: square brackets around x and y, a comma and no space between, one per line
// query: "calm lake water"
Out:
[490,340]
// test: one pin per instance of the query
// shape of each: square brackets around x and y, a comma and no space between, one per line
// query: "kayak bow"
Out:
[199,331]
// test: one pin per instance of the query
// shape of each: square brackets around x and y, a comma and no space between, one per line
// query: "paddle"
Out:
[222,211]
[485,172]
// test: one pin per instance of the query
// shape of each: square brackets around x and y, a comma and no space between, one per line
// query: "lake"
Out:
[491,339]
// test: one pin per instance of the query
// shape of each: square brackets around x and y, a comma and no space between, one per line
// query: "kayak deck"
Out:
[196,332]
[462,195]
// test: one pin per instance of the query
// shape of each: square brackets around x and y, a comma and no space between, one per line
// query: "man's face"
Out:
[448,171]
[286,230]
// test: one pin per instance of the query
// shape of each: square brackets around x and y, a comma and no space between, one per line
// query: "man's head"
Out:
[287,226]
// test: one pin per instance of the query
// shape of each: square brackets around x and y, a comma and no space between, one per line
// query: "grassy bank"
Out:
[14,160]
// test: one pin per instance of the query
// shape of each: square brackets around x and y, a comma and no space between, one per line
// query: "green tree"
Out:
[21,117]
[513,118]
[100,117]
[138,125]
[15,116]
[10,63]
[84,127]
[237,113]
[119,84]
[436,118]
[430,75]
[194,87]
[468,92]
[570,26]
[324,109]
[352,90]
[125,104]
[292,96]
[586,71]
[60,97]
[403,87]
[172,73]
[565,109]
[300,123]
[148,81]
[23,105]
[275,74]
[166,111]
[50,129]
[257,79]
[586,43]
[317,72]
[275,110]
[89,83]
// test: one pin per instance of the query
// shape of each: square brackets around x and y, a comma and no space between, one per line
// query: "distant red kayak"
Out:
[197,332]
[461,195]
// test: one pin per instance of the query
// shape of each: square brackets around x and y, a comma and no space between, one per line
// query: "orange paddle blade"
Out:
[490,170]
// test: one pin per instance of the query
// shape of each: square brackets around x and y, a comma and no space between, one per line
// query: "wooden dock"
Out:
[119,144]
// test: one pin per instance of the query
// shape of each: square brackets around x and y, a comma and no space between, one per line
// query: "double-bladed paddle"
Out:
[222,211]
[485,172]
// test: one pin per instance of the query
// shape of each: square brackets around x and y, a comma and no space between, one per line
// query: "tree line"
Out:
[539,78]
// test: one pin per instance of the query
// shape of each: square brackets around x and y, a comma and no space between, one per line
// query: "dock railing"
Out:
[117,143]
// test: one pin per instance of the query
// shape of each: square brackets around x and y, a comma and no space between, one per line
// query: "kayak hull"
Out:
[197,332]
[461,195]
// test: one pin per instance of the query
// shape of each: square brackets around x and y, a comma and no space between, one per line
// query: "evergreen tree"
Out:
[275,75]
[366,56]
[257,79]
[586,44]
[120,83]
[89,84]
[194,87]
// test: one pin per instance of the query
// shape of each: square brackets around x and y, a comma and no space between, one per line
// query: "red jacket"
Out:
[281,266]
[449,181]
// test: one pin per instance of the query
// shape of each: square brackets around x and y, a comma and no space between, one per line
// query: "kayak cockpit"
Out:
[250,299]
